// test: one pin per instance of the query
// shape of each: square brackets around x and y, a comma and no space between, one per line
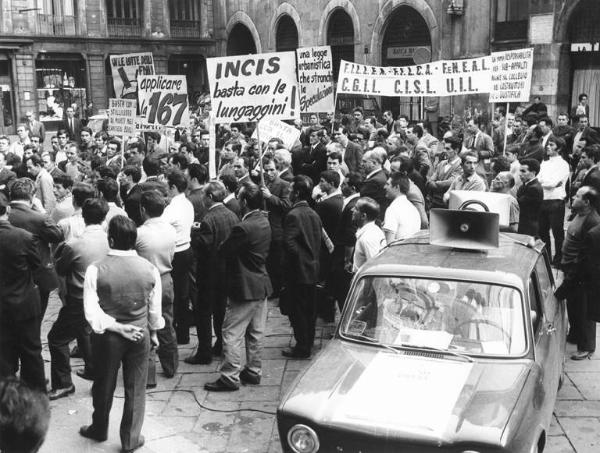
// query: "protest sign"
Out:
[252,87]
[126,69]
[121,117]
[315,78]
[164,100]
[439,78]
[269,128]
[511,75]
[142,126]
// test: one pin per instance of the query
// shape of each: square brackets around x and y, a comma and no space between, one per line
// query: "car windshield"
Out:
[465,317]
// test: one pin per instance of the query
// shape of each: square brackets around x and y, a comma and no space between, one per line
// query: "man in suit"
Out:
[231,202]
[375,179]
[345,238]
[50,165]
[131,193]
[581,109]
[353,153]
[45,231]
[211,276]
[329,209]
[72,125]
[6,176]
[481,143]
[590,155]
[277,201]
[316,157]
[248,286]
[72,260]
[301,245]
[44,184]
[283,162]
[34,126]
[445,173]
[529,196]
[124,327]
[20,314]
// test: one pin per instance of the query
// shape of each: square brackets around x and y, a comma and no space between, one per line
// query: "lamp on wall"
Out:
[456,7]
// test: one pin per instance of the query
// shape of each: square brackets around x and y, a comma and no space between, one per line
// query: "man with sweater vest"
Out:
[122,303]
[248,286]
[72,260]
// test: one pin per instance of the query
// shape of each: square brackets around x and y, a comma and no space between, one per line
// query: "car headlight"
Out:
[303,439]
[470,451]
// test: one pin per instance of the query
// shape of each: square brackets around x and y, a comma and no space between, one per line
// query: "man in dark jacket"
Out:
[276,192]
[248,286]
[20,314]
[46,232]
[375,179]
[301,244]
[530,196]
[211,275]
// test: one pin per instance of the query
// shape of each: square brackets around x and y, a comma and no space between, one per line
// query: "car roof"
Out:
[509,264]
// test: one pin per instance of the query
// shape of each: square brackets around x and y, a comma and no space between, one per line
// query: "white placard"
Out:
[511,75]
[122,117]
[126,69]
[315,77]
[272,128]
[164,100]
[252,87]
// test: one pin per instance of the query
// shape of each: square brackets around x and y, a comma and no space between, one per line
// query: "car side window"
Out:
[535,302]
[545,286]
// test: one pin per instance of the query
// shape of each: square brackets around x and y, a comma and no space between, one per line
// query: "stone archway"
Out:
[289,10]
[348,7]
[242,18]
[387,11]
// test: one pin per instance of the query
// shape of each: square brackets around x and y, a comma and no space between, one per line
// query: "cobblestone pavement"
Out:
[181,416]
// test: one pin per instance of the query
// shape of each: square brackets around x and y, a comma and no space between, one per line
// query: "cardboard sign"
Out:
[439,78]
[121,116]
[142,126]
[270,128]
[315,77]
[252,87]
[511,75]
[126,69]
[164,100]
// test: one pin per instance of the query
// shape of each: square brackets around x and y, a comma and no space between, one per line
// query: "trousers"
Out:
[182,263]
[69,325]
[552,217]
[109,351]
[244,322]
[302,314]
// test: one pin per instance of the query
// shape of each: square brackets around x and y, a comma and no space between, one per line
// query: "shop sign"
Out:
[404,52]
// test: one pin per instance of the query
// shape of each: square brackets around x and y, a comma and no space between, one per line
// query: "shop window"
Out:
[56,17]
[287,34]
[185,18]
[124,17]
[60,83]
[4,68]
[340,36]
[512,20]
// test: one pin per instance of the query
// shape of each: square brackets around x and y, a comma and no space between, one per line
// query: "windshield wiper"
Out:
[358,336]
[441,351]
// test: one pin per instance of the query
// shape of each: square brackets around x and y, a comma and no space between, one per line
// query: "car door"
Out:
[546,346]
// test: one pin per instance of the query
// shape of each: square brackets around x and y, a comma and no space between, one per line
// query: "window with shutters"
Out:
[185,18]
[56,17]
[124,17]
[512,20]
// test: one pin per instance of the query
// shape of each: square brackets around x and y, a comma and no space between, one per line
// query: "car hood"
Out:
[417,395]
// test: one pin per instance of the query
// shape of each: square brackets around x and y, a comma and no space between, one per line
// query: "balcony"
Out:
[48,24]
[128,27]
[515,30]
[185,28]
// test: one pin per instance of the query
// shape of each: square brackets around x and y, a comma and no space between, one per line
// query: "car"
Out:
[442,346]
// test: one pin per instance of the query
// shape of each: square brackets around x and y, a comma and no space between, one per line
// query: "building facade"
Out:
[55,53]
[42,41]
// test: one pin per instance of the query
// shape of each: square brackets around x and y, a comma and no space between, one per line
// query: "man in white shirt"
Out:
[73,226]
[369,237]
[553,177]
[180,214]
[401,219]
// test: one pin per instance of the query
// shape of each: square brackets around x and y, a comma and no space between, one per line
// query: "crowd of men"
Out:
[141,245]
